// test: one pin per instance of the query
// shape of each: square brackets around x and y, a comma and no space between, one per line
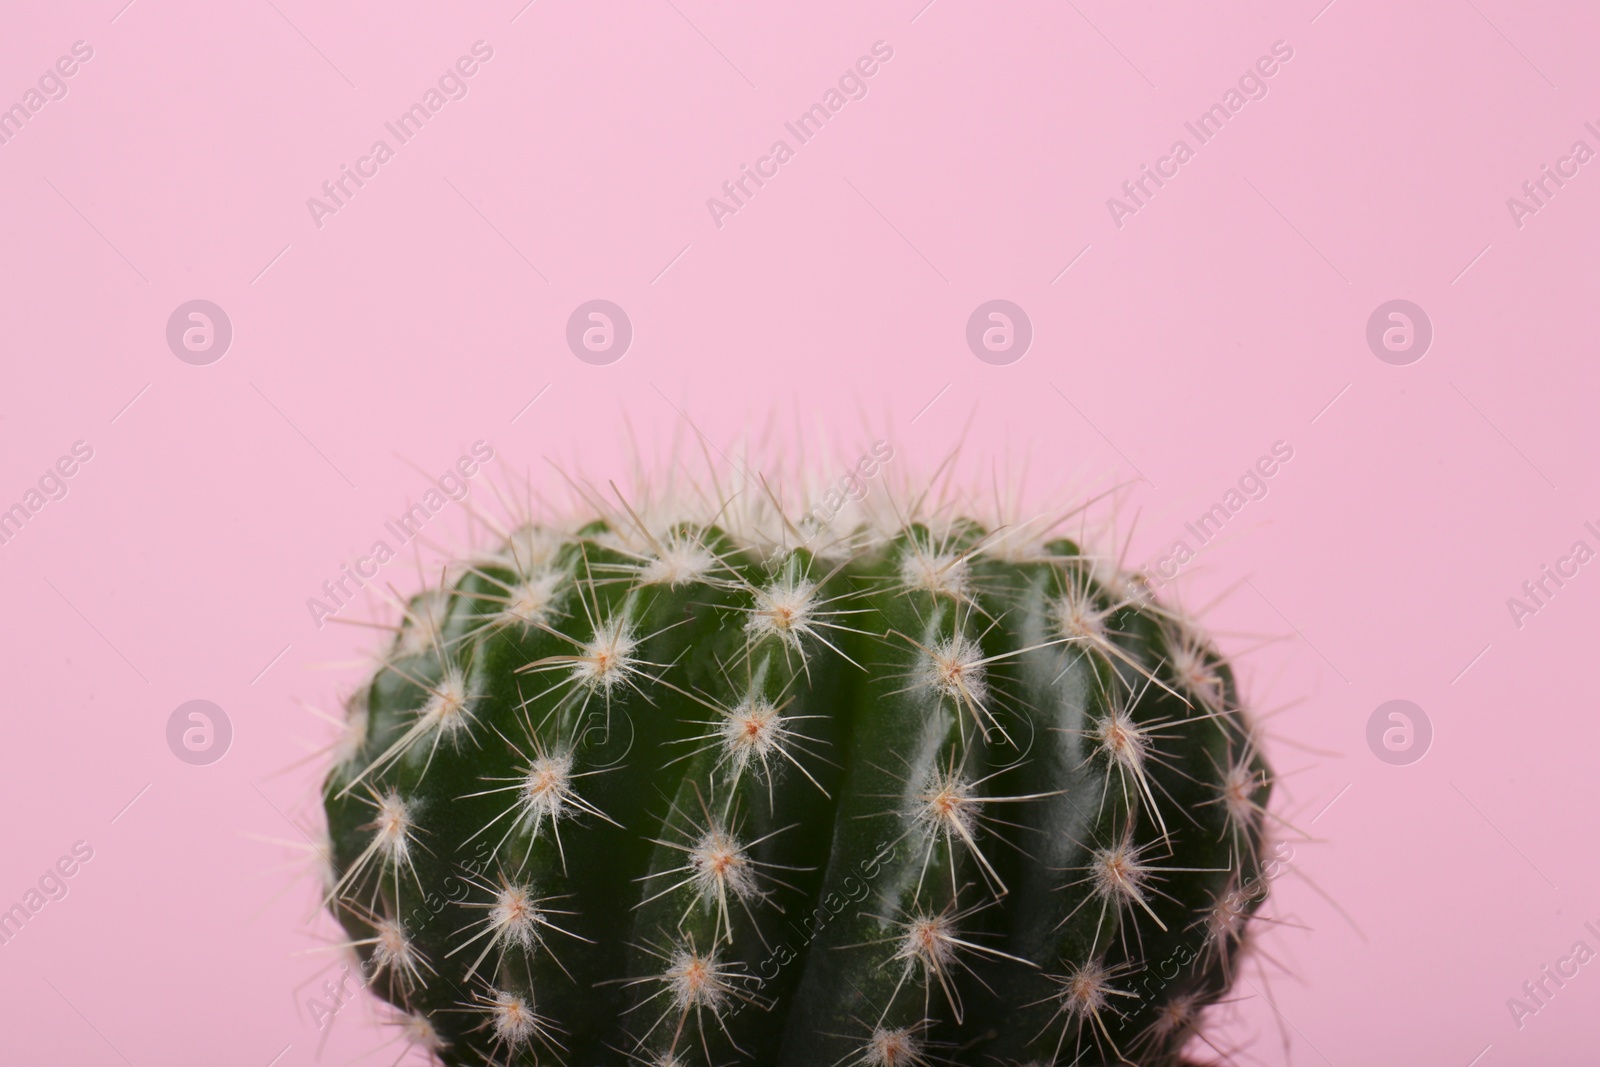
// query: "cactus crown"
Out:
[657,793]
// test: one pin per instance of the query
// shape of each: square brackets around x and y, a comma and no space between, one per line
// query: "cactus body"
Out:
[666,800]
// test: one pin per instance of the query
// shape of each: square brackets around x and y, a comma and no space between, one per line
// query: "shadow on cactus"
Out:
[674,793]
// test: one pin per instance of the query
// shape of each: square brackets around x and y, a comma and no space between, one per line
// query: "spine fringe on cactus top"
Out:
[692,791]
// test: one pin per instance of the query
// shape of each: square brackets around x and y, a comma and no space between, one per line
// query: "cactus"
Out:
[675,798]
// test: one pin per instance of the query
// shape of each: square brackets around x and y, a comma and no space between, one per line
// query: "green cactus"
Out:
[929,797]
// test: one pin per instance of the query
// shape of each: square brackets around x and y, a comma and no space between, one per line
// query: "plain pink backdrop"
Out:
[1224,316]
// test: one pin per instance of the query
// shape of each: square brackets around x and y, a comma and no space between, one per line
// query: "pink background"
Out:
[1224,316]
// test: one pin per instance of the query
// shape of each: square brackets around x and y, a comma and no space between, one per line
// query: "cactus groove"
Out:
[663,799]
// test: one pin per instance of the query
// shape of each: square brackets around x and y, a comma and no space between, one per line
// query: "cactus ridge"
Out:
[667,798]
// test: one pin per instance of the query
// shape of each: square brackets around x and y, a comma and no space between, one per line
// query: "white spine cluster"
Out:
[607,659]
[784,610]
